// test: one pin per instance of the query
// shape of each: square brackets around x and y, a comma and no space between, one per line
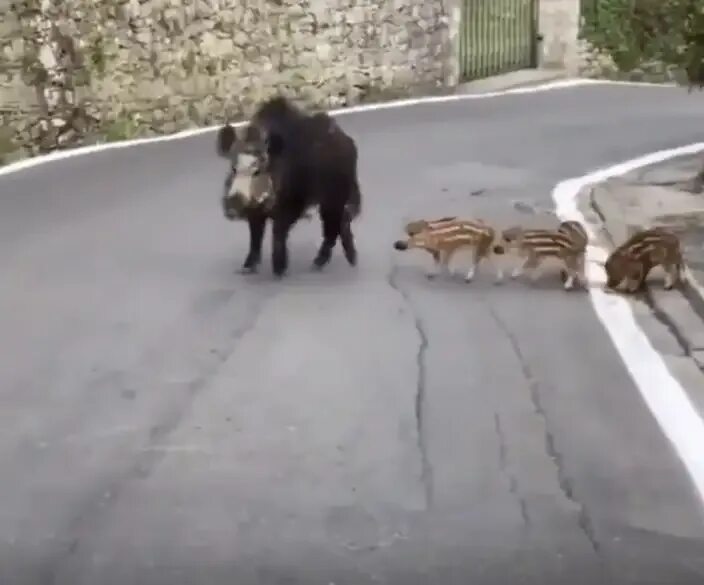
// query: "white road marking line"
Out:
[560,84]
[667,399]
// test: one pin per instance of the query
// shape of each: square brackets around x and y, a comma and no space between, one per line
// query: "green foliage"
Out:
[636,32]
[7,143]
[693,53]
[122,128]
[189,61]
[96,53]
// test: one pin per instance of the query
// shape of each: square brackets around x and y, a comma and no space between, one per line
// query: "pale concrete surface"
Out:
[661,195]
[659,332]
[635,206]
[168,421]
[521,78]
[681,316]
[698,357]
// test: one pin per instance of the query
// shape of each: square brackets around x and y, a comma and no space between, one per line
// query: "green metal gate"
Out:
[497,36]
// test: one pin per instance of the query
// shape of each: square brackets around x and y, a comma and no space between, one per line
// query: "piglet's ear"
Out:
[225,139]
[511,233]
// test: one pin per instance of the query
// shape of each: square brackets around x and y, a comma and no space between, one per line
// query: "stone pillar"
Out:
[453,9]
[558,23]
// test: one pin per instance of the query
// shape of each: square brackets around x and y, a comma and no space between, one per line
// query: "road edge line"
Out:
[60,155]
[668,401]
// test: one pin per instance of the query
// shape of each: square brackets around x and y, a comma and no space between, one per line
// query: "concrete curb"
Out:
[511,80]
[682,314]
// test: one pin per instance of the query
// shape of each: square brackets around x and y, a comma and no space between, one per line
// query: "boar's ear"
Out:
[274,144]
[252,134]
[225,139]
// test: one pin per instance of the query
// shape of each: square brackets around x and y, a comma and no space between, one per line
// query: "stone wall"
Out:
[75,71]
[73,68]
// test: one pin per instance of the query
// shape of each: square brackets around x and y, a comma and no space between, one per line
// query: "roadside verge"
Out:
[663,194]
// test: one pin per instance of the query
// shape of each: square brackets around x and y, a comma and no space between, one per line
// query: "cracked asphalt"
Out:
[168,421]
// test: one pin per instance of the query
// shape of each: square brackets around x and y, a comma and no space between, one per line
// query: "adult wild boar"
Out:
[282,164]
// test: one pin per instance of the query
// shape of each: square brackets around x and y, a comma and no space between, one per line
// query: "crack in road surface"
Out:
[503,465]
[426,467]
[147,457]
[584,521]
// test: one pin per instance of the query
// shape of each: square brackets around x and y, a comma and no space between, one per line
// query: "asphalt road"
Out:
[168,421]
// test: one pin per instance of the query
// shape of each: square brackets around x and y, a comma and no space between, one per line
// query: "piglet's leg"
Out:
[530,263]
[498,267]
[437,264]
[472,270]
